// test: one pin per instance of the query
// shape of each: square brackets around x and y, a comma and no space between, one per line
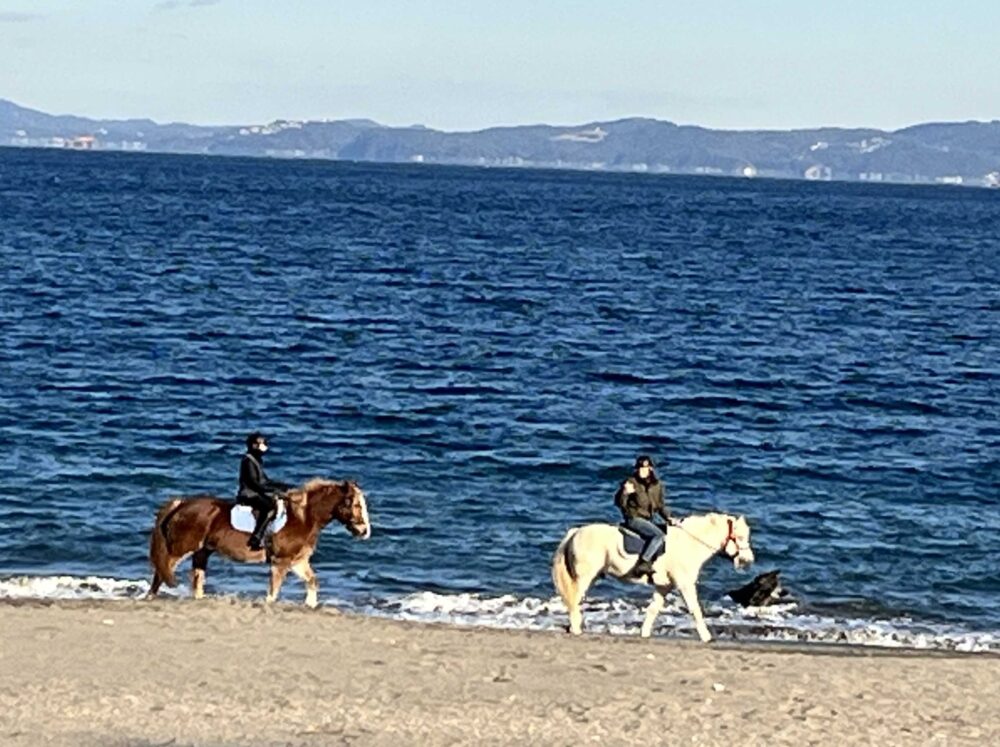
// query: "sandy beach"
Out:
[224,672]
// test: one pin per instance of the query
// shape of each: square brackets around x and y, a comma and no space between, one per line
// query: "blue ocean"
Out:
[487,351]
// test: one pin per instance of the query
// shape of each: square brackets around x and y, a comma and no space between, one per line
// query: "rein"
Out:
[730,537]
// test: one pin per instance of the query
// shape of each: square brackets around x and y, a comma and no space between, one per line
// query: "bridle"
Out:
[731,537]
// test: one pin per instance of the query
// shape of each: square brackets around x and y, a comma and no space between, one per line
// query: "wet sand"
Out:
[224,672]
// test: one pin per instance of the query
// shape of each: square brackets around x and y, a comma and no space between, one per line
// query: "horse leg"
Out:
[199,564]
[654,608]
[575,616]
[304,571]
[278,572]
[158,580]
[574,600]
[690,594]
[154,586]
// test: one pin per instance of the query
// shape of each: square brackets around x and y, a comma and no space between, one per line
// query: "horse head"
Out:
[341,501]
[354,512]
[736,545]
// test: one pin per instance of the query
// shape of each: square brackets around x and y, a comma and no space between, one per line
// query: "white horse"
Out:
[595,549]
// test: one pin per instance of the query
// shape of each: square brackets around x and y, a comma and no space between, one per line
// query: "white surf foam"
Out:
[70,587]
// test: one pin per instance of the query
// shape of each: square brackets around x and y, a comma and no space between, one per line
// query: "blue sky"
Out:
[467,65]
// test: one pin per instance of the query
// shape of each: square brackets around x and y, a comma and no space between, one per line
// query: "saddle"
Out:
[242,518]
[634,543]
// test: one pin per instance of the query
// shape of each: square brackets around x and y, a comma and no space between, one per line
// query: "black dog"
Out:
[762,591]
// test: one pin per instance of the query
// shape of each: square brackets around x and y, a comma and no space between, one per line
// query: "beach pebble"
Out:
[650,657]
[718,687]
[107,621]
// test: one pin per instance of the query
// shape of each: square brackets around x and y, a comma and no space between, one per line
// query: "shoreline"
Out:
[222,671]
[780,624]
[748,645]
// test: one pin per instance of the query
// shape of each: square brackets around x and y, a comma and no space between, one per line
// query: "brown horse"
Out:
[200,525]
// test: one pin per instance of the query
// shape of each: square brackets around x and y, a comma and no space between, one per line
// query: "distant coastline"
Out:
[961,154]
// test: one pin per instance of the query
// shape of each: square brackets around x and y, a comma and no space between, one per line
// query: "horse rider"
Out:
[256,490]
[638,498]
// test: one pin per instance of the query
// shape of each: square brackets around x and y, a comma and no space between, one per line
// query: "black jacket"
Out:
[644,501]
[254,481]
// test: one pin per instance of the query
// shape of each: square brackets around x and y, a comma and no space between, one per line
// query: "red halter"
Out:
[730,537]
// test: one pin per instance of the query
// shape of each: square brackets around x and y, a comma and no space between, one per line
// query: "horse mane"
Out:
[319,482]
[709,518]
[300,499]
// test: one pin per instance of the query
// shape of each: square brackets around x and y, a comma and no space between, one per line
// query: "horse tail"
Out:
[564,575]
[159,539]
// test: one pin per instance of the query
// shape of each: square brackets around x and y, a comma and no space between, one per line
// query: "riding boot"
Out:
[641,568]
[256,541]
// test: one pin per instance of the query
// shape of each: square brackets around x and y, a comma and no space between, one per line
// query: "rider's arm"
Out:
[626,500]
[621,497]
[661,506]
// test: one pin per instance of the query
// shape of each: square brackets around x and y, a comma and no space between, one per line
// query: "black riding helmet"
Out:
[253,439]
[642,460]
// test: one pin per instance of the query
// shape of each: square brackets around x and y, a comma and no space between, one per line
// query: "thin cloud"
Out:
[18,17]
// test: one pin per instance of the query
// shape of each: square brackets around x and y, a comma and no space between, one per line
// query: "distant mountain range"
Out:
[947,153]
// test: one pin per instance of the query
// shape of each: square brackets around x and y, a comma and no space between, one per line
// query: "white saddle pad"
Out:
[242,519]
